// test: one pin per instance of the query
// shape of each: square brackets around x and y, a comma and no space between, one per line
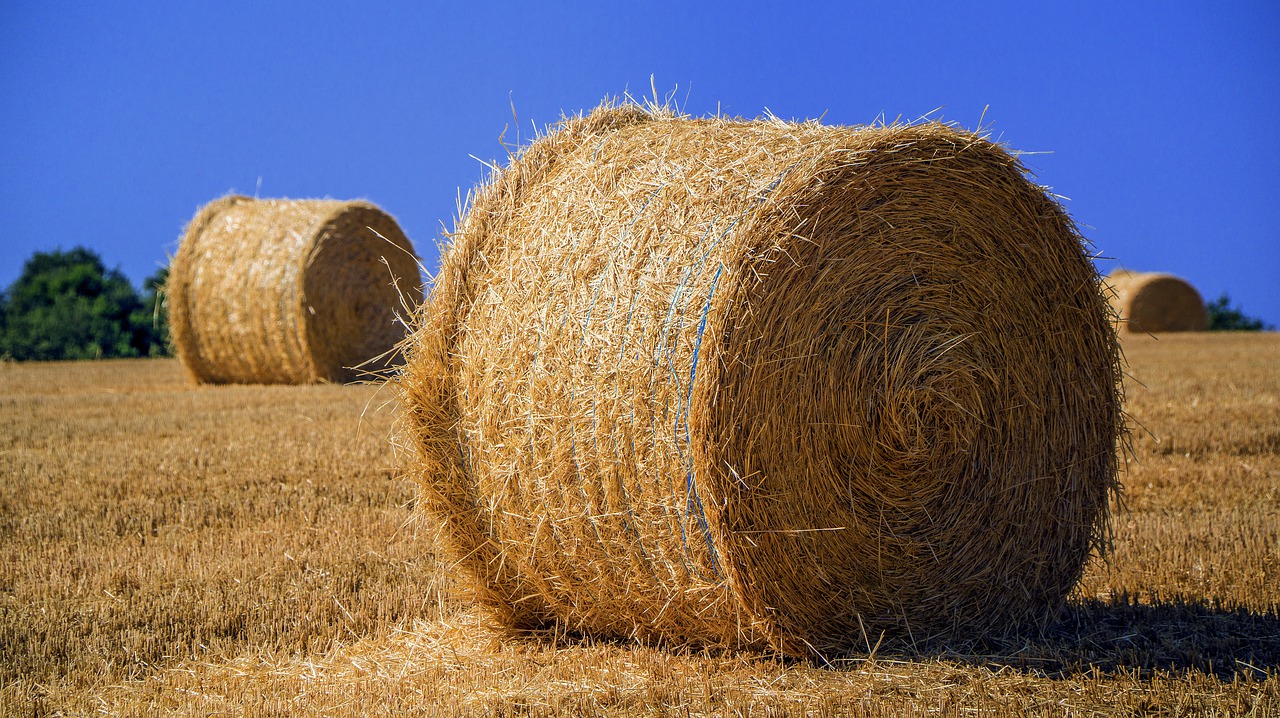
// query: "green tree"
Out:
[154,313]
[1224,317]
[68,305]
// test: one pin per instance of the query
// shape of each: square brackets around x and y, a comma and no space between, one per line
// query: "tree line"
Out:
[68,305]
[1224,316]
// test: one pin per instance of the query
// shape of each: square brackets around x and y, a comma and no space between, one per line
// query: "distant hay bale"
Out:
[765,384]
[290,291]
[1151,302]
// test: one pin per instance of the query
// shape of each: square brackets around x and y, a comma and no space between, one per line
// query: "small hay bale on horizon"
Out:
[266,291]
[765,384]
[1155,302]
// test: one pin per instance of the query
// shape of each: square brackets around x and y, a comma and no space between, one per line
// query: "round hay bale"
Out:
[1152,303]
[765,384]
[290,291]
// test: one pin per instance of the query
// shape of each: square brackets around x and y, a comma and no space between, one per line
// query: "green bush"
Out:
[1224,317]
[155,312]
[68,305]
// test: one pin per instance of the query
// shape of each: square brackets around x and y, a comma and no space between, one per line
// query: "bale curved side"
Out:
[180,289]
[766,384]
[290,291]
[1154,302]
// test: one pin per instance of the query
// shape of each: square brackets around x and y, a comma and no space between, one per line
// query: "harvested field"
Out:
[168,549]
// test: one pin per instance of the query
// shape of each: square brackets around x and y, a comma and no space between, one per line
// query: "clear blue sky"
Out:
[120,119]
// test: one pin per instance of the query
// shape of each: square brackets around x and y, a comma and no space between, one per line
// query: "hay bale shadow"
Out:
[1124,636]
[1120,636]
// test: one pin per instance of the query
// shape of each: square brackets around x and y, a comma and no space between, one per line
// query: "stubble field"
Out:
[166,549]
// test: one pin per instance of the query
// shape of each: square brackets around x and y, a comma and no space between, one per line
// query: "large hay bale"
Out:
[765,384]
[1152,302]
[290,291]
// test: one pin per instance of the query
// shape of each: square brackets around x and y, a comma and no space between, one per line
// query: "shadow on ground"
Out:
[1123,635]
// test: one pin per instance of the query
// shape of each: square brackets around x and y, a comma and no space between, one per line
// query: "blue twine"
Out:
[616,250]
[670,357]
[694,500]
[573,442]
[691,486]
[577,469]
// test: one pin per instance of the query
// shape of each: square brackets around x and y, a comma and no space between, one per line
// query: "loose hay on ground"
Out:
[290,291]
[766,384]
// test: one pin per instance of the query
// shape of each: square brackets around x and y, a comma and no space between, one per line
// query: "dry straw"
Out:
[290,291]
[1151,302]
[765,384]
